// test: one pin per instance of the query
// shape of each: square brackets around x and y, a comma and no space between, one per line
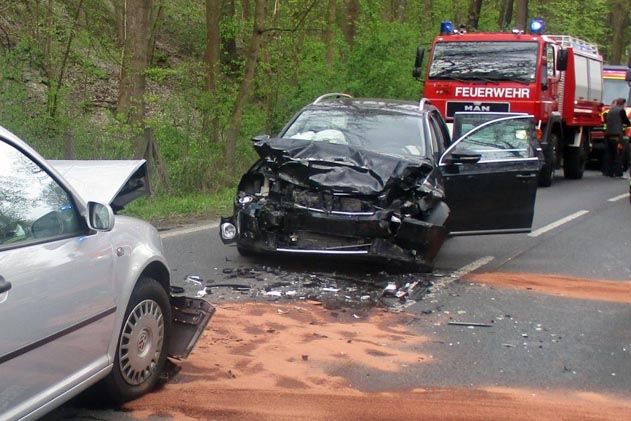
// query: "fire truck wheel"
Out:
[574,163]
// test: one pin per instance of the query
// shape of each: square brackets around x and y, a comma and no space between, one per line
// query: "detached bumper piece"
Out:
[189,319]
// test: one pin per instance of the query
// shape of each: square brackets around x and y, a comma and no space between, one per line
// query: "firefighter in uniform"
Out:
[615,120]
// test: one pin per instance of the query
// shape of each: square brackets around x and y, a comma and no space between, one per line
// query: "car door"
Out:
[490,177]
[56,293]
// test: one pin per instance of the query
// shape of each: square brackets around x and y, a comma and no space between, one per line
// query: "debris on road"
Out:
[334,290]
[473,324]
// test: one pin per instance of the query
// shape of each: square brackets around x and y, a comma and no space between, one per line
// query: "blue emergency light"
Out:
[446,27]
[537,26]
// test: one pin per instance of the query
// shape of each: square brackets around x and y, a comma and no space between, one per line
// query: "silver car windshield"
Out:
[378,131]
[476,60]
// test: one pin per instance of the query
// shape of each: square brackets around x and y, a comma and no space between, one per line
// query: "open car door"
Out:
[490,177]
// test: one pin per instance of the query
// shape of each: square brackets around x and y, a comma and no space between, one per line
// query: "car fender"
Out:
[137,246]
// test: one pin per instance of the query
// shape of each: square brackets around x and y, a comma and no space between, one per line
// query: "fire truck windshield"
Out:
[615,88]
[485,61]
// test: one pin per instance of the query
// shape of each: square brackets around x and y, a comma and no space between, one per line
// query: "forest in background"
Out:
[186,83]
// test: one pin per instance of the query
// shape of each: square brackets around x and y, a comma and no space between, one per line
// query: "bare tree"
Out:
[135,59]
[212,62]
[619,22]
[329,32]
[521,15]
[475,6]
[506,14]
[234,126]
[349,26]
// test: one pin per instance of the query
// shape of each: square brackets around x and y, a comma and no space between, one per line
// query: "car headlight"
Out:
[228,231]
[244,200]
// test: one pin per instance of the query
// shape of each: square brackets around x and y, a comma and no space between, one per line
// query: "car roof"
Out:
[370,104]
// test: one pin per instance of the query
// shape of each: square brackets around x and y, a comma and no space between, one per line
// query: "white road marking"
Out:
[558,223]
[615,199]
[442,282]
[183,231]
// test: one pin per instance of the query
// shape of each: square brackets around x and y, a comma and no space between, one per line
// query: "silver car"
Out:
[85,296]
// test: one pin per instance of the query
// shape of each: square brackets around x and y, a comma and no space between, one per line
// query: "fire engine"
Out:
[616,84]
[555,78]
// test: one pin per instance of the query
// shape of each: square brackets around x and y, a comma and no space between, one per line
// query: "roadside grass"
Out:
[160,208]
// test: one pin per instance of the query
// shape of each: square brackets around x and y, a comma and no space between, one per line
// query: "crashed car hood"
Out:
[116,183]
[341,168]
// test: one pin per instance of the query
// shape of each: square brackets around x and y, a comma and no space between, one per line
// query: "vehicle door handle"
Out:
[4,285]
[531,175]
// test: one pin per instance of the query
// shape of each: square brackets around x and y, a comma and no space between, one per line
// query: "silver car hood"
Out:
[116,183]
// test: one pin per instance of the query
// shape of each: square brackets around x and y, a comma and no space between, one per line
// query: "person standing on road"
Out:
[615,120]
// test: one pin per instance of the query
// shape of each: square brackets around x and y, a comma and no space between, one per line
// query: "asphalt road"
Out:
[594,349]
[543,342]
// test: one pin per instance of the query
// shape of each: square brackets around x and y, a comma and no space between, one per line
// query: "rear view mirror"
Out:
[100,217]
[562,60]
[418,63]
[260,138]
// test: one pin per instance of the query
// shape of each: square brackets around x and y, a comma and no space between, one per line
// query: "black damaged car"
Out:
[381,179]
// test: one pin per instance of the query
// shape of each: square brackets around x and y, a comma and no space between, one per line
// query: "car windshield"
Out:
[379,131]
[495,61]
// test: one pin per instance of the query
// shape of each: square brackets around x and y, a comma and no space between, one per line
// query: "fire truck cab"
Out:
[616,84]
[555,78]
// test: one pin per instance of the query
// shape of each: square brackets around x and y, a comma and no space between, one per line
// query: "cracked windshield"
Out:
[383,132]
[493,61]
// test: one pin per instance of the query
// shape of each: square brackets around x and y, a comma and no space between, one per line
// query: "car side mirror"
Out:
[418,63]
[260,138]
[100,217]
[562,60]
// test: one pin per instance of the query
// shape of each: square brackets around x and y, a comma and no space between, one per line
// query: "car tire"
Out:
[142,344]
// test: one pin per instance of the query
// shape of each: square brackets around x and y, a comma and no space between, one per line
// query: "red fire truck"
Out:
[555,78]
[616,84]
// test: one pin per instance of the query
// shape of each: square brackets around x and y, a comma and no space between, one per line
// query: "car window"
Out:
[505,139]
[33,206]
[379,131]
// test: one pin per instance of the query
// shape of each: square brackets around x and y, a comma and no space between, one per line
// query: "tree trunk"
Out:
[619,22]
[349,26]
[211,60]
[245,10]
[156,17]
[117,9]
[521,15]
[229,55]
[506,14]
[234,126]
[475,6]
[135,54]
[55,86]
[329,33]
[213,40]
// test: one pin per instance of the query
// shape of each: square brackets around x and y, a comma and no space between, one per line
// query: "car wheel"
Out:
[142,343]
[574,162]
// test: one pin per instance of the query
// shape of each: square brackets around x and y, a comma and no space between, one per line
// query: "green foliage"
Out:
[159,74]
[189,122]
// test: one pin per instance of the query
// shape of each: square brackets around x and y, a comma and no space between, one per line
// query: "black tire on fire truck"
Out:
[574,159]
